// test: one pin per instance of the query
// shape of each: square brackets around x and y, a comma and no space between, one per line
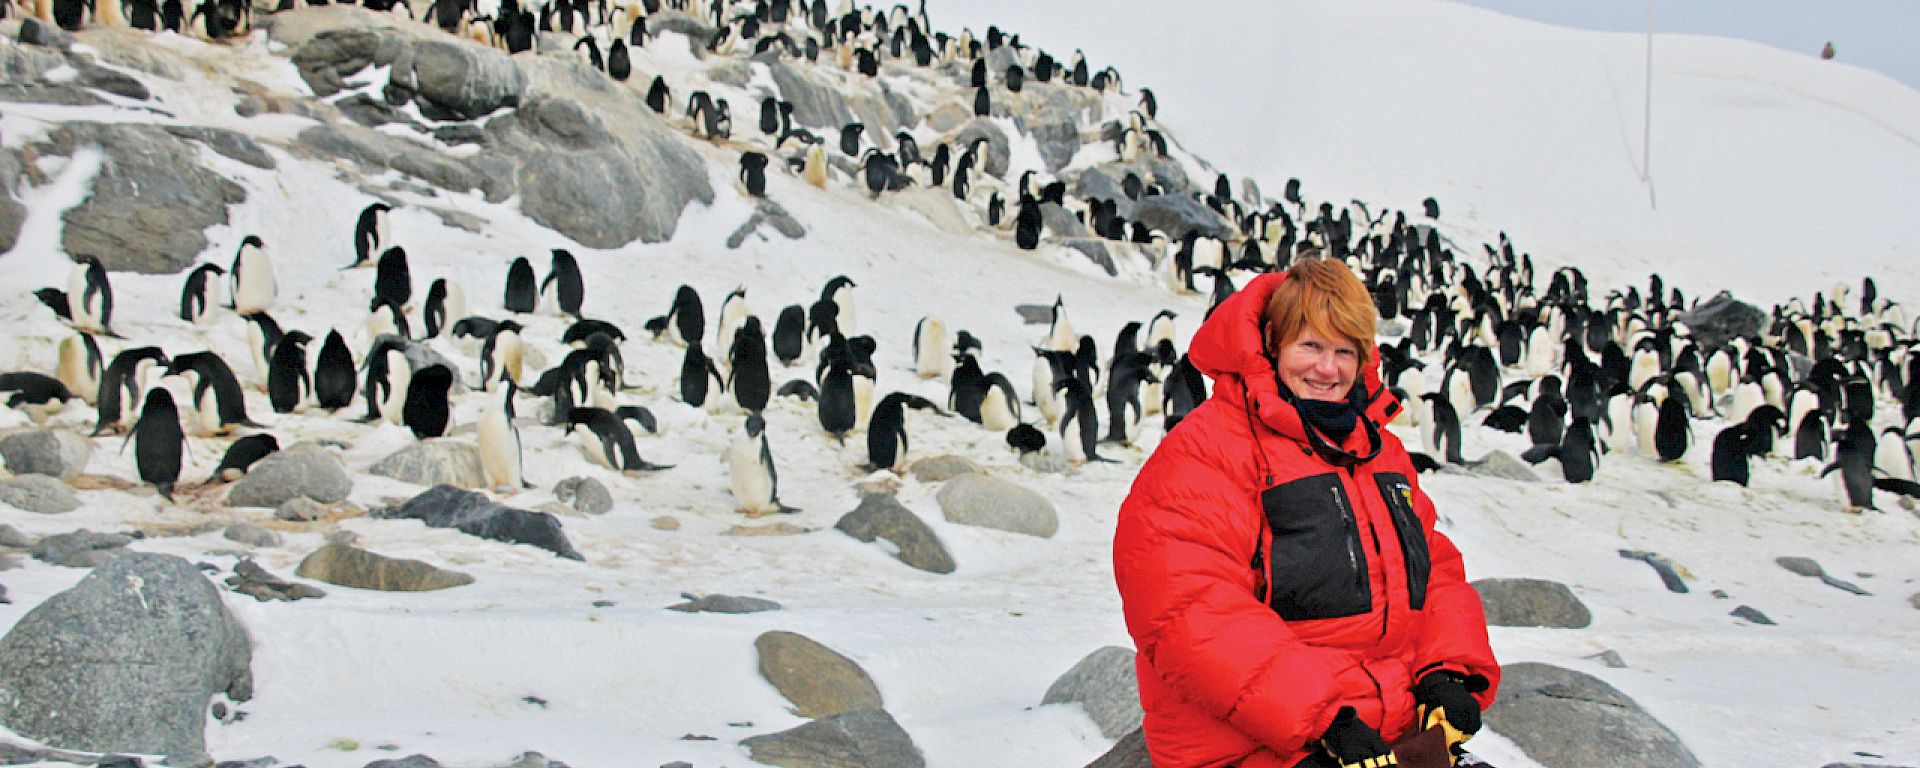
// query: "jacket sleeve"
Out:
[1182,562]
[1453,635]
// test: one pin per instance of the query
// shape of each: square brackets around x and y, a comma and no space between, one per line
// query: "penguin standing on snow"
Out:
[564,288]
[748,379]
[333,374]
[158,442]
[1079,423]
[392,280]
[500,456]
[789,334]
[887,431]
[370,232]
[1578,452]
[930,358]
[79,366]
[251,278]
[695,371]
[1000,409]
[1853,457]
[522,296]
[445,306]
[756,486]
[1441,430]
[388,374]
[196,296]
[501,356]
[124,377]
[839,291]
[426,411]
[686,321]
[1124,412]
[242,455]
[289,385]
[753,174]
[90,296]
[733,311]
[837,404]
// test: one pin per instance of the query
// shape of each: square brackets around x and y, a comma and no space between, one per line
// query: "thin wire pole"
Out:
[1646,139]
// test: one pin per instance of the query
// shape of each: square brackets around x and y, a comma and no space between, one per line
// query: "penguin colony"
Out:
[1495,347]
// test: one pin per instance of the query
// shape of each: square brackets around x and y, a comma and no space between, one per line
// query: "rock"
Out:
[32,32]
[585,494]
[939,469]
[438,461]
[1914,600]
[300,510]
[723,604]
[814,105]
[410,761]
[994,160]
[254,581]
[994,503]
[1565,719]
[1610,658]
[1061,222]
[1094,183]
[819,682]
[1717,320]
[881,516]
[1531,603]
[379,152]
[302,470]
[1752,614]
[1503,465]
[1041,461]
[148,208]
[38,493]
[1129,752]
[865,738]
[12,537]
[345,566]
[462,81]
[1669,575]
[534,760]
[80,549]
[13,213]
[125,661]
[767,211]
[444,506]
[252,535]
[1178,215]
[1096,251]
[949,116]
[57,453]
[1806,566]
[232,145]
[1034,314]
[330,56]
[1058,143]
[665,523]
[781,528]
[1104,683]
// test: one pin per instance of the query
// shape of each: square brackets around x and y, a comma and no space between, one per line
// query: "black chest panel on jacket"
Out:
[1318,564]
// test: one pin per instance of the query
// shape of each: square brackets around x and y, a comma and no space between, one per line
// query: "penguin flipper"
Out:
[1540,453]
[1828,470]
[1897,485]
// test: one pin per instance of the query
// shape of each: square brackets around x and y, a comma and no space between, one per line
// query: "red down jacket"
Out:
[1265,588]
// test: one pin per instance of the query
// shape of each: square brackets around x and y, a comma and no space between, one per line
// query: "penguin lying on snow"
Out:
[606,441]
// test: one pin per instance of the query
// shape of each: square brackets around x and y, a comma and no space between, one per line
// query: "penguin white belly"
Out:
[862,403]
[85,313]
[1043,395]
[399,376]
[73,371]
[499,449]
[752,484]
[1891,458]
[1646,417]
[996,413]
[256,287]
[206,411]
[1746,397]
[590,446]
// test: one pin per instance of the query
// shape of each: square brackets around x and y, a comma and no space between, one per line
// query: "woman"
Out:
[1281,577]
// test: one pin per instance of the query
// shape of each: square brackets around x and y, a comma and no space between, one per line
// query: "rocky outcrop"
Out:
[1567,719]
[881,516]
[148,208]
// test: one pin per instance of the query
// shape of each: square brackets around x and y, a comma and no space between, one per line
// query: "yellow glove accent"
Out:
[1432,716]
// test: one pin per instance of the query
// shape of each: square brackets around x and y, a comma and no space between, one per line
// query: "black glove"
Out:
[1446,699]
[1354,744]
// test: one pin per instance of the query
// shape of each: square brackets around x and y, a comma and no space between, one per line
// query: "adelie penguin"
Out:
[80,366]
[930,358]
[1124,411]
[242,455]
[388,375]
[1080,423]
[370,233]
[750,471]
[502,356]
[685,321]
[1731,450]
[289,384]
[427,411]
[753,174]
[196,296]
[839,290]
[1578,452]
[733,312]
[89,296]
[789,334]
[696,371]
[1441,429]
[1853,458]
[605,440]
[887,431]
[252,285]
[564,289]
[522,295]
[500,457]
[392,279]
[748,380]
[838,405]
[1026,224]
[123,381]
[158,442]
[333,374]
[1672,432]
[37,394]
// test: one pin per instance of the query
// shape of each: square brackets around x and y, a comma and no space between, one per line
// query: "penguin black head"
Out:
[56,300]
[755,424]
[1026,439]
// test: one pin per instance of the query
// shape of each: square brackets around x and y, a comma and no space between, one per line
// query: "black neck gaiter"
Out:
[1333,418]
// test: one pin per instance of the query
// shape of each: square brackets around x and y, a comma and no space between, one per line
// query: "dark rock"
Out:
[125,661]
[302,470]
[815,105]
[468,81]
[819,682]
[1094,183]
[1178,215]
[1058,143]
[1669,575]
[328,58]
[109,81]
[32,32]
[1566,719]
[881,516]
[864,738]
[38,493]
[80,549]
[723,604]
[990,502]
[1105,685]
[13,213]
[1096,251]
[373,113]
[1129,752]
[229,144]
[766,211]
[1531,603]
[410,761]
[1806,566]
[998,151]
[254,581]
[1723,318]
[147,209]
[57,453]
[1061,222]
[585,494]
[1752,614]
[444,506]
[345,566]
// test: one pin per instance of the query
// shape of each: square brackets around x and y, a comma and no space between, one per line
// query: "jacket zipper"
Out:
[1386,603]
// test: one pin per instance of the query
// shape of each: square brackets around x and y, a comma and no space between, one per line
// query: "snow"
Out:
[1775,175]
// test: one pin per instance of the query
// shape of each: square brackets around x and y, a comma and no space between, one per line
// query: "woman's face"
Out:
[1319,368]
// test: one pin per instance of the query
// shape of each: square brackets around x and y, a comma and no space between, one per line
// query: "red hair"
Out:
[1323,295]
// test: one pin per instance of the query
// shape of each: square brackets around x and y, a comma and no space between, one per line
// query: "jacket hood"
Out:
[1230,349]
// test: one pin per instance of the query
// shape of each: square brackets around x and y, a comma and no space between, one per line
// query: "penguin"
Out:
[386,318]
[242,455]
[887,431]
[1000,410]
[1124,412]
[814,166]
[686,320]
[1853,457]
[1025,439]
[55,299]
[251,278]
[1080,424]
[289,384]
[35,393]
[1768,424]
[445,305]
[500,456]
[426,411]
[967,388]
[839,291]
[1891,456]
[753,174]
[1441,430]
[392,280]
[695,370]
[733,310]
[370,232]
[1578,452]
[930,358]
[789,334]
[605,440]
[1810,436]
[90,296]
[388,375]
[333,374]
[158,442]
[838,404]
[822,323]
[1027,223]
[124,376]
[522,297]
[79,366]
[501,357]
[748,379]
[1673,432]
[800,388]
[1731,449]
[658,95]
[1185,390]
[619,61]
[195,298]
[568,288]
[1546,421]
[755,483]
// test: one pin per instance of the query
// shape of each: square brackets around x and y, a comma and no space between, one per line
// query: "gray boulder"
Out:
[819,682]
[457,81]
[585,494]
[1807,566]
[998,151]
[1503,465]
[1105,685]
[327,58]
[939,469]
[830,106]
[125,661]
[434,462]
[1045,463]
[346,566]
[990,502]
[302,470]
[148,208]
[254,581]
[723,604]
[377,152]
[14,537]
[232,145]
[1178,215]
[13,213]
[38,493]
[1094,183]
[1723,318]
[81,548]
[864,738]
[1129,752]
[444,506]
[767,212]
[415,760]
[1061,222]
[251,535]
[58,453]
[1058,142]
[1531,603]
[1566,719]
[32,32]
[1096,251]
[300,510]
[881,516]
